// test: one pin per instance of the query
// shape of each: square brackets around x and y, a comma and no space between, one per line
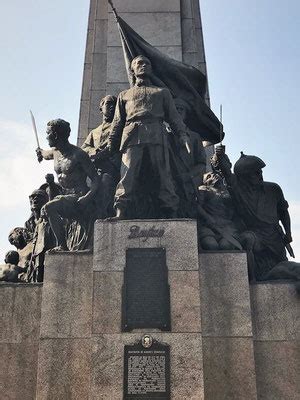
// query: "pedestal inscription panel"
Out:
[146,293]
[147,372]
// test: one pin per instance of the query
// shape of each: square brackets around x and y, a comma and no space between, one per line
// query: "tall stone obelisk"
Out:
[173,26]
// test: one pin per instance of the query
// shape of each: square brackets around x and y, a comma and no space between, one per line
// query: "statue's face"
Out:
[12,257]
[37,200]
[141,67]
[108,108]
[51,136]
[16,238]
[181,111]
[256,178]
[49,178]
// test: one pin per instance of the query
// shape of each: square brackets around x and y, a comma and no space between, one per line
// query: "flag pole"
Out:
[114,10]
[120,29]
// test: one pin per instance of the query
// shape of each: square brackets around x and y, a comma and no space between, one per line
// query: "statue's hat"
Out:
[248,164]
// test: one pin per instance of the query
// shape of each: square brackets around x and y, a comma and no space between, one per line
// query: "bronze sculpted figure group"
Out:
[144,162]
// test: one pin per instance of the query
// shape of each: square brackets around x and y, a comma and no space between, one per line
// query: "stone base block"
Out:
[178,237]
[67,295]
[19,339]
[277,370]
[64,369]
[186,365]
[18,366]
[225,299]
[229,369]
[20,312]
[276,311]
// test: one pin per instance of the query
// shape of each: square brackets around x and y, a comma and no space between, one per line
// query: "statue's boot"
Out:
[119,215]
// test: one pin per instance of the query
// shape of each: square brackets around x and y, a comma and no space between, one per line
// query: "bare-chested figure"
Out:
[11,271]
[21,238]
[72,166]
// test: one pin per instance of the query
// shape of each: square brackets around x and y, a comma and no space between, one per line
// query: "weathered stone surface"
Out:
[277,370]
[19,335]
[196,13]
[147,6]
[99,71]
[89,48]
[225,299]
[276,311]
[18,370]
[188,33]
[200,44]
[83,121]
[159,29]
[116,70]
[20,313]
[185,301]
[184,294]
[102,9]
[107,302]
[186,365]
[64,369]
[100,44]
[87,81]
[229,372]
[92,12]
[179,239]
[186,9]
[67,296]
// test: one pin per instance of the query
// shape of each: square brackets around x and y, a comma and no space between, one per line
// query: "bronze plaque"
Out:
[147,372]
[146,292]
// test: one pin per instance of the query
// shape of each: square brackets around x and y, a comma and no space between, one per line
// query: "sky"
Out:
[253,60]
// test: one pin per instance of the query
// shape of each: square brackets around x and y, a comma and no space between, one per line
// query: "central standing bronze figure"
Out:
[138,131]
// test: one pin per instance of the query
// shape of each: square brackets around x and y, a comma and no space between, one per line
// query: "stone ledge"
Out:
[277,370]
[64,367]
[225,299]
[67,295]
[229,370]
[20,313]
[275,311]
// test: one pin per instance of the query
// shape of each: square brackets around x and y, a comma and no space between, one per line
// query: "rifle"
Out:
[226,236]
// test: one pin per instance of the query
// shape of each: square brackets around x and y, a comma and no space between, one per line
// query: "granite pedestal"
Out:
[64,339]
[82,342]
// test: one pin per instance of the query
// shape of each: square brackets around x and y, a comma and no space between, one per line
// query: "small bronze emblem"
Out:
[147,341]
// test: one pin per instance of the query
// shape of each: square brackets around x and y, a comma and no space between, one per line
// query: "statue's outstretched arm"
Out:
[44,154]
